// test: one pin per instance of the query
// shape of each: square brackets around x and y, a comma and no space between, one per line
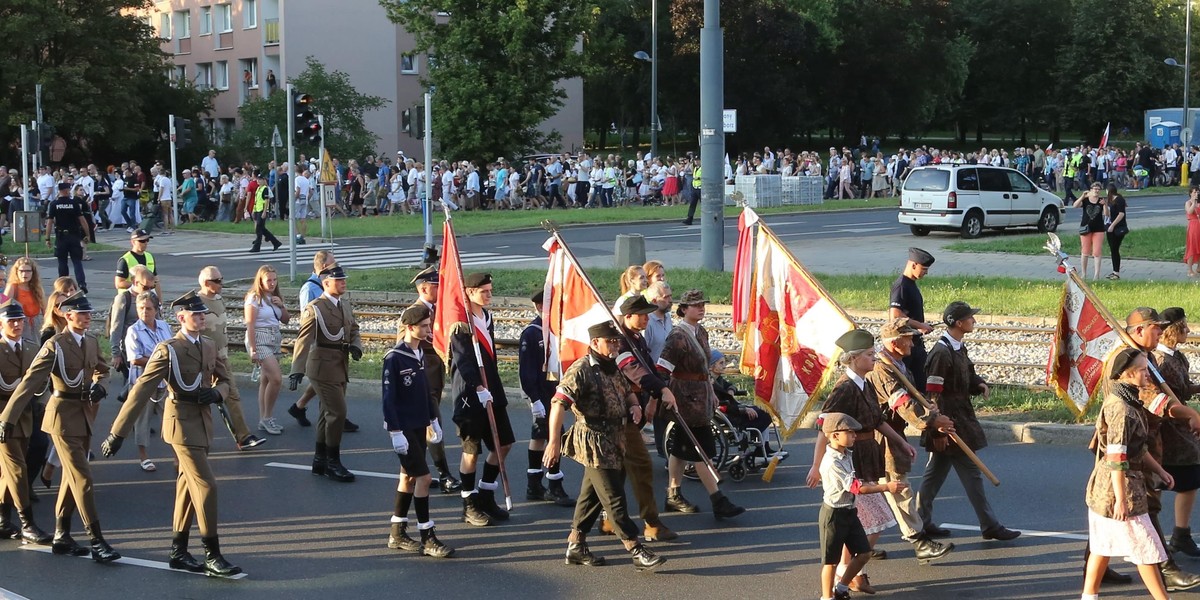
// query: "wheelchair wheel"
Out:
[718,459]
[737,471]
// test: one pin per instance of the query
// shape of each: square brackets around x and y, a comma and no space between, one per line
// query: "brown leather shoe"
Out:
[606,527]
[861,583]
[659,532]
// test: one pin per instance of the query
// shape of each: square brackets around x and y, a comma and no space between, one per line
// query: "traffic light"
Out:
[406,121]
[45,137]
[308,128]
[420,124]
[183,132]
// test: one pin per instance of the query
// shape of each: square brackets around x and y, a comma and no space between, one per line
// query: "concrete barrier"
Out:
[630,250]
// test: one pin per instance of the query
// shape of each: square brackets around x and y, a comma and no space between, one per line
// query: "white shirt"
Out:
[448,184]
[266,315]
[473,181]
[162,187]
[954,344]
[332,298]
[585,170]
[210,166]
[303,186]
[45,185]
[88,184]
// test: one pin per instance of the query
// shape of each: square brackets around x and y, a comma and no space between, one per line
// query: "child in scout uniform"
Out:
[838,522]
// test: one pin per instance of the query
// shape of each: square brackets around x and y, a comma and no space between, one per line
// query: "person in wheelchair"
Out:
[741,416]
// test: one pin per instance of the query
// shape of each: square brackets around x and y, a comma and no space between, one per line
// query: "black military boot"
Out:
[63,542]
[300,415]
[644,559]
[180,557]
[30,532]
[449,484]
[8,531]
[101,551]
[723,508]
[1176,579]
[556,494]
[675,502]
[214,564]
[487,503]
[320,459]
[1181,541]
[578,553]
[431,546]
[333,466]
[472,515]
[535,490]
[399,540]
[929,550]
[349,427]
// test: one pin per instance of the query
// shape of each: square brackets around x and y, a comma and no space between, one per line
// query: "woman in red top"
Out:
[25,285]
[1191,253]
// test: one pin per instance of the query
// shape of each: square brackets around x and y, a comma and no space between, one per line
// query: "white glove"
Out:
[485,397]
[399,442]
[434,435]
[538,409]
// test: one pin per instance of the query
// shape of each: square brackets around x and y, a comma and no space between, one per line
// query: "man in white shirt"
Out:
[162,191]
[1171,161]
[45,184]
[472,190]
[584,184]
[300,210]
[448,188]
[210,166]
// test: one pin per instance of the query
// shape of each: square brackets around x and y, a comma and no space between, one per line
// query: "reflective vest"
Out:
[260,199]
[131,261]
[696,178]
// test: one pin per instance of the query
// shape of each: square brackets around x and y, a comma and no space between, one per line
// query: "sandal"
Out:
[1113,276]
[148,466]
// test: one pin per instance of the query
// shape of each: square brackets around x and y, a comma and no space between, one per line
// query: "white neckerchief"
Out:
[859,381]
[955,345]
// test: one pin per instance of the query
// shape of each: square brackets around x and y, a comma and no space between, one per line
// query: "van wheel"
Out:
[972,225]
[919,230]
[1049,221]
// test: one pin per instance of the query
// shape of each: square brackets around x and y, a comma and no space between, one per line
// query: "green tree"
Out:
[104,76]
[335,99]
[498,68]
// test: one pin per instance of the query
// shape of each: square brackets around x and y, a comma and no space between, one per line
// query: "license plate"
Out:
[922,205]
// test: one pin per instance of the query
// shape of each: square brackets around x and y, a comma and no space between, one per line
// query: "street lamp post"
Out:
[653,60]
[1187,81]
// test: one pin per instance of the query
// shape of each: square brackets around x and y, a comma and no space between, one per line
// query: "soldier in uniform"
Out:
[901,409]
[410,415]
[538,389]
[475,382]
[197,377]
[906,302]
[328,338]
[603,404]
[73,362]
[435,374]
[685,358]
[211,284]
[15,359]
[951,383]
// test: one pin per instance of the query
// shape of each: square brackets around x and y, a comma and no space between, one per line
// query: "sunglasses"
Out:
[217,281]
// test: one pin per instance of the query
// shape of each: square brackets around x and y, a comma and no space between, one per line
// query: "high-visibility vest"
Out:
[696,178]
[260,199]
[131,261]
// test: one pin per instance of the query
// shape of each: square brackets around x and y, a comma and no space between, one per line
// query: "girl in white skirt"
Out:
[1118,520]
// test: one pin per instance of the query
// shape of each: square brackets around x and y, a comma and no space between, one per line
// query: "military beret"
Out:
[896,328]
[429,275]
[920,257]
[1143,315]
[477,280]
[334,272]
[11,311]
[636,304]
[1173,315]
[836,421]
[76,302]
[956,311]
[414,314]
[1122,361]
[538,297]
[856,339]
[604,330]
[190,302]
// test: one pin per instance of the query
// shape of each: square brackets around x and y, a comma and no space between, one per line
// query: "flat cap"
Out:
[895,328]
[957,310]
[604,330]
[691,297]
[836,421]
[477,280]
[920,257]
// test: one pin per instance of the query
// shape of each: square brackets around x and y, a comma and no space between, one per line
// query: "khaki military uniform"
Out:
[214,328]
[72,368]
[14,480]
[321,353]
[187,367]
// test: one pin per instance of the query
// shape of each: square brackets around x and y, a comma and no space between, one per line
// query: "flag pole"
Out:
[552,227]
[482,372]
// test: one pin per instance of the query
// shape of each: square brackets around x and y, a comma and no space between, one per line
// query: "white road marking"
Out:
[1156,211]
[1025,532]
[7,595]
[137,562]
[392,476]
[855,224]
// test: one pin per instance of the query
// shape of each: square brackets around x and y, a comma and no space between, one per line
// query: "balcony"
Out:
[271,32]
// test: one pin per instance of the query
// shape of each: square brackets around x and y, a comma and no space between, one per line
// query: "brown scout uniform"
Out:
[685,356]
[66,417]
[1121,423]
[1179,445]
[327,330]
[951,383]
[187,424]
[13,365]
[214,329]
[898,415]
[861,404]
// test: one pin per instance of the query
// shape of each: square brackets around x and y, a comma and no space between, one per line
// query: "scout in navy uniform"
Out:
[15,360]
[76,369]
[328,338]
[197,378]
[435,372]
[539,390]
[906,302]
[471,397]
[410,417]
[601,399]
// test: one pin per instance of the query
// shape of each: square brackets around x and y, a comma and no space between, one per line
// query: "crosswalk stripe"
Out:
[136,562]
[283,248]
[295,467]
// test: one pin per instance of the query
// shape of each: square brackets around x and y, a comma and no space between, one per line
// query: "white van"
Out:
[970,198]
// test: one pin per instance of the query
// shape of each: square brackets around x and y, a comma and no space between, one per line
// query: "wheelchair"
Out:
[740,449]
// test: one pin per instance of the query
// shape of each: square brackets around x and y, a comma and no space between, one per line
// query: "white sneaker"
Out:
[271,427]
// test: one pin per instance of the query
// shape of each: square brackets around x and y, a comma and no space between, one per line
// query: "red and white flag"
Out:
[1104,138]
[451,297]
[743,270]
[789,341]
[1082,340]
[570,307]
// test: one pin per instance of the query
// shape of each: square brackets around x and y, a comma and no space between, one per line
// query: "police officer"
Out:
[538,390]
[65,217]
[435,374]
[328,337]
[15,359]
[73,362]
[906,302]
[197,378]
[603,403]
[211,283]
[410,415]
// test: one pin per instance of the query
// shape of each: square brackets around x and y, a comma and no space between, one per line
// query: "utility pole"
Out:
[25,133]
[654,123]
[174,184]
[291,200]
[37,92]
[712,140]
[427,205]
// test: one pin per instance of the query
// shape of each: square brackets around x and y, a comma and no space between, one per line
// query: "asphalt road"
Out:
[300,536]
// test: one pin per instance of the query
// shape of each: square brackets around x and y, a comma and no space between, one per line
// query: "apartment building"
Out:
[248,48]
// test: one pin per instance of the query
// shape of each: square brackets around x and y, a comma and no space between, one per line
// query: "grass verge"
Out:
[1153,243]
[14,249]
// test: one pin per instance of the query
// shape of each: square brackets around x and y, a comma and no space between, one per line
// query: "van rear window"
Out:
[928,180]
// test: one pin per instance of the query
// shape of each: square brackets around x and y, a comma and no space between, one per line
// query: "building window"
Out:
[205,20]
[183,24]
[271,32]
[224,18]
[180,73]
[249,14]
[408,64]
[164,26]
[204,76]
[221,75]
